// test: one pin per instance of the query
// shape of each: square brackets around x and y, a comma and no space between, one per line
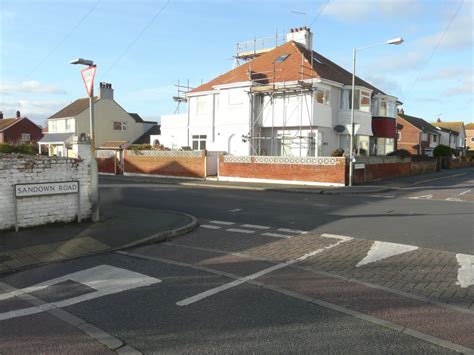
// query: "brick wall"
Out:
[379,168]
[40,210]
[166,163]
[409,137]
[328,170]
[106,161]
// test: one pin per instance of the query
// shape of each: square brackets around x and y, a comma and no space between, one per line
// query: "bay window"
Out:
[362,100]
[384,106]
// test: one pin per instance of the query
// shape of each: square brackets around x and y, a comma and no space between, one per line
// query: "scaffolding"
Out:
[266,84]
[248,50]
[182,90]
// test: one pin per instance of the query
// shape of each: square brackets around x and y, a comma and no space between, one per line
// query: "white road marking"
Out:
[105,279]
[292,230]
[466,270]
[236,210]
[209,226]
[423,197]
[465,192]
[256,226]
[454,198]
[258,274]
[237,230]
[223,223]
[276,235]
[382,250]
[383,196]
[336,236]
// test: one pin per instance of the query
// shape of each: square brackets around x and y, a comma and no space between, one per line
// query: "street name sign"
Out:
[46,188]
[88,75]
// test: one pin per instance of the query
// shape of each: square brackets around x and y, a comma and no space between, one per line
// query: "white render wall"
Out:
[38,210]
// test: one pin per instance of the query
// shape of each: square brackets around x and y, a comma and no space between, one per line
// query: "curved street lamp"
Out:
[395,41]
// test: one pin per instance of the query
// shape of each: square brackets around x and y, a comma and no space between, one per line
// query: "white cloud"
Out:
[412,60]
[36,110]
[29,87]
[465,87]
[355,10]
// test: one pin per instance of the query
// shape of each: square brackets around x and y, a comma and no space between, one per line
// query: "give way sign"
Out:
[88,75]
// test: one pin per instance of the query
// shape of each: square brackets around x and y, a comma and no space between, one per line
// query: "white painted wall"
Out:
[173,131]
[40,210]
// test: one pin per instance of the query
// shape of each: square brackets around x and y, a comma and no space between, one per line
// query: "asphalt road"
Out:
[243,319]
[438,214]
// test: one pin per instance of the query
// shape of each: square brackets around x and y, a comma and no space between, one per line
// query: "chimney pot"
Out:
[18,114]
[1,115]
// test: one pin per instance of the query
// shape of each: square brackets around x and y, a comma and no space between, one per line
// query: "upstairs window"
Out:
[281,58]
[362,100]
[53,126]
[120,126]
[25,137]
[321,96]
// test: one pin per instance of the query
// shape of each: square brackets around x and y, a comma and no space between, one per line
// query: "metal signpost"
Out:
[45,189]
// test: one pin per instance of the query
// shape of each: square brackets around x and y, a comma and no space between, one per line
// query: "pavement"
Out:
[381,186]
[119,227]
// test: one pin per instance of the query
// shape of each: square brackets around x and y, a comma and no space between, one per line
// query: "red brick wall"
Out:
[106,165]
[381,171]
[409,137]
[292,172]
[166,165]
[12,135]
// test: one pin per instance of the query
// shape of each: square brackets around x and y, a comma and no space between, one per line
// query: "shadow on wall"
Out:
[188,167]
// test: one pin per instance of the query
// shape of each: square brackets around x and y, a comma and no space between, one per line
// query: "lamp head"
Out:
[395,41]
[82,61]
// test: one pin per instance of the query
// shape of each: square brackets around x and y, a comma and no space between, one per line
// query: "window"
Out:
[68,125]
[120,126]
[53,126]
[399,135]
[282,58]
[472,139]
[201,106]
[383,108]
[364,101]
[434,138]
[322,96]
[199,142]
[25,137]
[424,137]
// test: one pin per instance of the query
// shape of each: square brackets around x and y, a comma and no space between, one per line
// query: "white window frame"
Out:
[200,140]
[325,98]
[399,136]
[123,126]
[25,137]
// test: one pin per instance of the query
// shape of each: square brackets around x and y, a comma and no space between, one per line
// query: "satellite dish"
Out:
[339,128]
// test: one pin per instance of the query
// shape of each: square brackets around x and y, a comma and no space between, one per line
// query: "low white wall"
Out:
[39,210]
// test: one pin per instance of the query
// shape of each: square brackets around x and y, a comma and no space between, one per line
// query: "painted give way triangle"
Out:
[88,75]
[382,250]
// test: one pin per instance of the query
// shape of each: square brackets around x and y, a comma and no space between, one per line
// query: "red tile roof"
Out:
[290,69]
[7,122]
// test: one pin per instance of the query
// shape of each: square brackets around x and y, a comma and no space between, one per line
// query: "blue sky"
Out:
[195,40]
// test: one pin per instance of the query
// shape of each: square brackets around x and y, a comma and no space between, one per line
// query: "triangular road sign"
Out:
[88,75]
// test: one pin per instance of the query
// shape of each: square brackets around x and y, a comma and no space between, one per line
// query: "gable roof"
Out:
[8,122]
[419,123]
[469,126]
[136,117]
[453,126]
[145,137]
[74,109]
[289,69]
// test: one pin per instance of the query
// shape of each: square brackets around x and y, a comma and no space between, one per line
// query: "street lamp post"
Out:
[94,197]
[395,41]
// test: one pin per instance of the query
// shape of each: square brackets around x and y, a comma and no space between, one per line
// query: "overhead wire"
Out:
[319,13]
[137,37]
[41,62]
[437,44]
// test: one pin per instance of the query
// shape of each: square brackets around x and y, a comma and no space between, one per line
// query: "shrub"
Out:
[443,151]
[28,149]
[402,153]
[339,152]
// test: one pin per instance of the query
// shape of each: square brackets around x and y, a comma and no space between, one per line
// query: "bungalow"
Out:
[112,123]
[453,134]
[416,135]
[18,130]
[286,101]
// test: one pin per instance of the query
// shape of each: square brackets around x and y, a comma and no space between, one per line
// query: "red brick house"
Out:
[416,135]
[19,130]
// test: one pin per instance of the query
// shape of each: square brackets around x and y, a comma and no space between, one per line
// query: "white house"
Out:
[287,101]
[453,134]
[112,123]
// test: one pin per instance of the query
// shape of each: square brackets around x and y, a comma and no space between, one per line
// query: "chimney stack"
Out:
[18,114]
[1,115]
[302,35]
[106,91]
